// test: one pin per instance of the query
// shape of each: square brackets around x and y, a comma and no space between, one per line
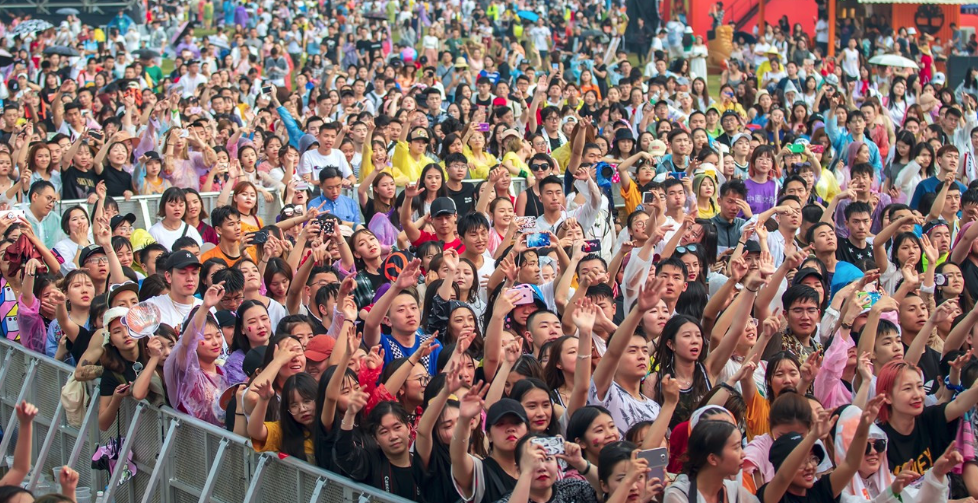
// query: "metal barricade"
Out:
[178,458]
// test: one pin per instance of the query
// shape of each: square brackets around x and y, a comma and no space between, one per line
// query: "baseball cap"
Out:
[88,252]
[939,78]
[114,314]
[418,133]
[443,206]
[128,286]
[783,446]
[118,219]
[152,155]
[657,148]
[730,113]
[252,360]
[505,407]
[752,247]
[320,347]
[738,137]
[806,272]
[181,259]
[225,318]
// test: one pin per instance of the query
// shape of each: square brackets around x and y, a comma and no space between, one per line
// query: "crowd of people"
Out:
[764,295]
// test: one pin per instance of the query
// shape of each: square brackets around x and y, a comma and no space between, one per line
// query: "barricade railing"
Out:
[178,458]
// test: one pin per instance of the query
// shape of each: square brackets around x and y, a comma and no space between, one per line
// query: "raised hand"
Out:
[822,425]
[263,389]
[68,479]
[948,461]
[583,315]
[513,351]
[26,412]
[408,277]
[357,401]
[738,268]
[865,366]
[473,402]
[650,294]
[669,389]
[868,416]
[213,295]
[155,348]
[810,368]
[375,358]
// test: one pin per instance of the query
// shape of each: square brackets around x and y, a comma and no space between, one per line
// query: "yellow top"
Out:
[273,442]
[632,197]
[404,167]
[480,168]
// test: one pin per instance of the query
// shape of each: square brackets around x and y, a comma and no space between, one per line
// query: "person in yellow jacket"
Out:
[409,156]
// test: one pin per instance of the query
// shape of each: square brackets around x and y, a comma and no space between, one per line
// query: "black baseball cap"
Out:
[128,286]
[152,155]
[225,318]
[88,251]
[752,247]
[443,206]
[418,133]
[730,113]
[806,272]
[783,446]
[118,219]
[505,407]
[181,259]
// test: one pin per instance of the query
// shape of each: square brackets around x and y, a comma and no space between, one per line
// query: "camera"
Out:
[604,172]
[261,237]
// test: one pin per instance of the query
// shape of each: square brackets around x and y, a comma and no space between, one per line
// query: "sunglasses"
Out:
[692,248]
[539,167]
[879,445]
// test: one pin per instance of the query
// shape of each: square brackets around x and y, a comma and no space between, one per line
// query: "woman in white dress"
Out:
[697,58]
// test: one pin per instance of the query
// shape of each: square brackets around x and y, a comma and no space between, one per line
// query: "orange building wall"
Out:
[903,15]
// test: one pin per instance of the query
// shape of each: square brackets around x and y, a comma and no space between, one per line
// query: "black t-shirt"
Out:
[117,181]
[331,43]
[111,380]
[821,492]
[931,436]
[464,199]
[369,210]
[498,482]
[930,364]
[848,252]
[78,348]
[77,184]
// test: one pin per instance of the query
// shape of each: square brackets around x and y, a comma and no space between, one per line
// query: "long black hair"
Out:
[524,386]
[708,437]
[293,432]
[240,341]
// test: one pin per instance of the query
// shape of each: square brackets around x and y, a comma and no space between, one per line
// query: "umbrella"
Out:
[217,42]
[894,60]
[528,15]
[6,59]
[181,31]
[61,50]
[147,54]
[31,26]
[68,11]
[747,37]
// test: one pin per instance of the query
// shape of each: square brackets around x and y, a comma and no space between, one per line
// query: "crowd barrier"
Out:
[178,458]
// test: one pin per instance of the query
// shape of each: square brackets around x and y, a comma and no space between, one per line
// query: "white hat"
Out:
[939,78]
[911,31]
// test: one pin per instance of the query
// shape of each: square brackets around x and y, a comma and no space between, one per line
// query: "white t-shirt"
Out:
[540,36]
[188,84]
[312,162]
[624,408]
[850,62]
[173,313]
[166,237]
[276,312]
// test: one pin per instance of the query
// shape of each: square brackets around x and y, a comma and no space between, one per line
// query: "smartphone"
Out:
[796,148]
[260,238]
[12,214]
[678,175]
[658,459]
[482,127]
[184,133]
[266,90]
[525,223]
[553,446]
[525,294]
[592,245]
[555,66]
[538,240]
[872,299]
[96,134]
[329,227]
[648,198]
[816,149]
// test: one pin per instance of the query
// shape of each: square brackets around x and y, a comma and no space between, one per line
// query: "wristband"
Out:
[749,290]
[588,469]
[847,326]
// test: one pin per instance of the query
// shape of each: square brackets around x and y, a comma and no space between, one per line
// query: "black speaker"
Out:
[957,68]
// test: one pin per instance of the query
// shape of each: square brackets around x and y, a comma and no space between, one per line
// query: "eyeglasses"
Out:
[811,311]
[539,167]
[812,461]
[691,248]
[423,380]
[879,445]
[98,260]
[296,407]
[753,322]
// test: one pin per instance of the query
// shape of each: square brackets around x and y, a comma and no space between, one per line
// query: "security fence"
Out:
[177,457]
